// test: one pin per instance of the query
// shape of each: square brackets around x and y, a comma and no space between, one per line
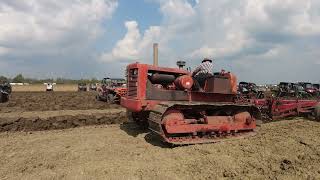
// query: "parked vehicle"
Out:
[49,86]
[251,90]
[82,87]
[111,90]
[93,87]
[5,91]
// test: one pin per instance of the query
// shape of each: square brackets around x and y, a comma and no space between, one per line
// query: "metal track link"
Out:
[155,118]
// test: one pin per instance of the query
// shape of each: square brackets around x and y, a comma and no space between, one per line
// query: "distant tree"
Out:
[60,80]
[3,79]
[18,79]
[94,80]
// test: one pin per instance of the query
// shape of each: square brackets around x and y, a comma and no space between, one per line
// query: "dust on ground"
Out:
[288,149]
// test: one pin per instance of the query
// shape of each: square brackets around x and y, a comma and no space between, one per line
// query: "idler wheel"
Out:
[171,119]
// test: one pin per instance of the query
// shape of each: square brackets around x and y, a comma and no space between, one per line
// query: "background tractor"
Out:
[309,88]
[250,90]
[93,87]
[317,87]
[289,89]
[111,90]
[5,91]
[82,87]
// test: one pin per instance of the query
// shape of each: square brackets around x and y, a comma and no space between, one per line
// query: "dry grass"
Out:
[41,87]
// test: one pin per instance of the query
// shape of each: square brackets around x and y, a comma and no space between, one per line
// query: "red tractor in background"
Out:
[317,87]
[250,90]
[164,100]
[310,88]
[291,90]
[111,90]
[5,91]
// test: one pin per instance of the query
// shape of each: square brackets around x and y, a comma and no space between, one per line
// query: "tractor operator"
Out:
[203,71]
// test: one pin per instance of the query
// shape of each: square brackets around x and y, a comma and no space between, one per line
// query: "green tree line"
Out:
[21,79]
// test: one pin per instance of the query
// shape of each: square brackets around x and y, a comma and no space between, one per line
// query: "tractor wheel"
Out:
[110,99]
[317,112]
[98,97]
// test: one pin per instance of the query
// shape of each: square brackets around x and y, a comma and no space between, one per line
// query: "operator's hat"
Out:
[206,59]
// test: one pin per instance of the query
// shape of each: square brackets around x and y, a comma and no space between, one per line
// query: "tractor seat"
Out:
[218,84]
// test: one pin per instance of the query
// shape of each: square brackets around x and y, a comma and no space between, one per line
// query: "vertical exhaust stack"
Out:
[155,54]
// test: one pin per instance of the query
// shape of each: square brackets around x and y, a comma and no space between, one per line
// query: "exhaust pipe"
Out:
[155,54]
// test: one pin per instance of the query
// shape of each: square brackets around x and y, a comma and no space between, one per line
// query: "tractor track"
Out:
[155,124]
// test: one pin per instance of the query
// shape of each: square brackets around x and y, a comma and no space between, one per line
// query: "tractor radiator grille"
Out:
[133,83]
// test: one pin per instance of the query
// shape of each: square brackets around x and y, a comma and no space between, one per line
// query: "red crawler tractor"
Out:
[163,99]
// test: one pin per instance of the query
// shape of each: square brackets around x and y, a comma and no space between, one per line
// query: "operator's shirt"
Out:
[204,68]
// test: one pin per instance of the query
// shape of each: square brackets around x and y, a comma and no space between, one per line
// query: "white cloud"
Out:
[132,46]
[138,46]
[50,38]
[127,47]
[52,26]
[249,37]
[176,10]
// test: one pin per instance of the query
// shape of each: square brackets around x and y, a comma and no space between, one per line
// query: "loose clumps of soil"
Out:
[52,101]
[60,121]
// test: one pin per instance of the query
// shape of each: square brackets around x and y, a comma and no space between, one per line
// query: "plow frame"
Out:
[277,108]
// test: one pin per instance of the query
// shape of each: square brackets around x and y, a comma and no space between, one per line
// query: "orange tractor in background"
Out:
[111,90]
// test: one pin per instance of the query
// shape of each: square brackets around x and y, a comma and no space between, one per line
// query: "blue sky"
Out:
[262,41]
[145,12]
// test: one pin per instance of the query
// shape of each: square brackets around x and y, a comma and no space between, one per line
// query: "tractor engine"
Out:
[184,82]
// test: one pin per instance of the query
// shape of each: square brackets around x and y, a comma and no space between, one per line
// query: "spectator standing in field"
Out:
[49,86]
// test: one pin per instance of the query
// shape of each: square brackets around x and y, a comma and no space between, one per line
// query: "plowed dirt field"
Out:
[41,138]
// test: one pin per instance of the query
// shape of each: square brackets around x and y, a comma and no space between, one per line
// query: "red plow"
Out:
[277,108]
